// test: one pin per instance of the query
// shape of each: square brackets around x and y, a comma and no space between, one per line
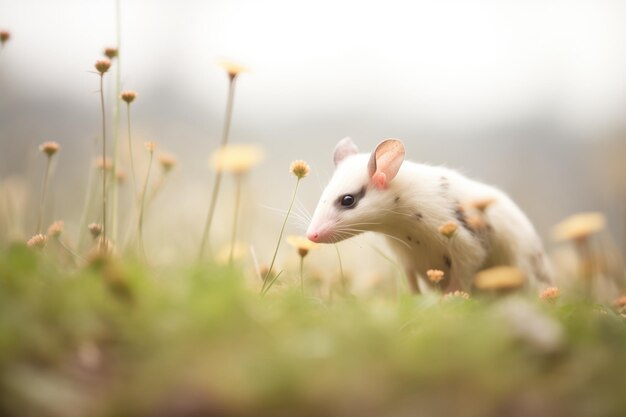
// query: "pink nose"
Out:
[313,236]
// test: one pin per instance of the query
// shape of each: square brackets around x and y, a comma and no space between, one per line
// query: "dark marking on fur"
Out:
[409,238]
[395,200]
[459,214]
[447,261]
[444,182]
[419,216]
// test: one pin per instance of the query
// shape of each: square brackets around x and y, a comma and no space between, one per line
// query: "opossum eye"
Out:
[348,200]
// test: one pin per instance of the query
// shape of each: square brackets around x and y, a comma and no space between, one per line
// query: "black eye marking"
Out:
[350,201]
[447,261]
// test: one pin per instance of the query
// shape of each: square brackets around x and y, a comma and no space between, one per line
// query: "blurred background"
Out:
[527,95]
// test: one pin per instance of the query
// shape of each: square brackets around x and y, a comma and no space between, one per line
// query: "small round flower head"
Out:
[236,159]
[549,293]
[239,252]
[448,229]
[128,96]
[5,35]
[579,226]
[120,175]
[102,65]
[111,52]
[150,146]
[434,275]
[167,161]
[104,163]
[232,69]
[56,228]
[95,229]
[302,244]
[456,295]
[299,168]
[499,278]
[49,148]
[38,241]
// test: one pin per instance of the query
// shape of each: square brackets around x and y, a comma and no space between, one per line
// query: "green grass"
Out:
[121,339]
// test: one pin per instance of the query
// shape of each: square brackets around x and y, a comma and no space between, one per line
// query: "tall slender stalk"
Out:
[238,181]
[104,171]
[44,187]
[218,175]
[301,277]
[103,66]
[130,145]
[150,146]
[116,122]
[266,284]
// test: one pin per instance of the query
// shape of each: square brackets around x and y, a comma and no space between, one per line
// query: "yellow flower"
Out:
[232,68]
[56,228]
[49,148]
[5,35]
[499,278]
[579,226]
[102,65]
[150,146]
[434,275]
[549,293]
[38,241]
[167,161]
[236,159]
[301,243]
[222,256]
[300,169]
[95,229]
[111,52]
[456,294]
[106,164]
[448,229]
[128,96]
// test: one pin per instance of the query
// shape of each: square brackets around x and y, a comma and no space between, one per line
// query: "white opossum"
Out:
[409,202]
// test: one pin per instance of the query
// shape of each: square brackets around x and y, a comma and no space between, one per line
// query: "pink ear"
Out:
[385,162]
[344,148]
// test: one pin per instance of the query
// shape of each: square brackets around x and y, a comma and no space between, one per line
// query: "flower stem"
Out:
[218,175]
[265,287]
[301,278]
[104,171]
[130,151]
[343,278]
[43,195]
[238,181]
[142,208]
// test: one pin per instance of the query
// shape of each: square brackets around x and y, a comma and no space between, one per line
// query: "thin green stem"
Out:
[238,181]
[218,175]
[343,278]
[142,207]
[130,151]
[301,277]
[116,123]
[104,171]
[44,187]
[280,238]
[69,250]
